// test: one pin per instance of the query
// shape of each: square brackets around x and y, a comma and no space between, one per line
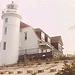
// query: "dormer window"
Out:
[48,40]
[43,36]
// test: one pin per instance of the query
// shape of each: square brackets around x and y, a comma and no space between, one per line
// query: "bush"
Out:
[68,69]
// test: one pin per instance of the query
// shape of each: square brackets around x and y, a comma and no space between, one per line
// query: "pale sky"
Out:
[55,17]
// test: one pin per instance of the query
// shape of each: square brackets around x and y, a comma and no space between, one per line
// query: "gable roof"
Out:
[56,39]
[23,25]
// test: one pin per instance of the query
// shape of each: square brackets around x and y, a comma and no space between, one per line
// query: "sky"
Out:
[55,17]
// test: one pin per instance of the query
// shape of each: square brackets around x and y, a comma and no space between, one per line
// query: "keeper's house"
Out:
[36,43]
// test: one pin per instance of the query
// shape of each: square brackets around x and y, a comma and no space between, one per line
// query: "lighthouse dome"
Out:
[12,6]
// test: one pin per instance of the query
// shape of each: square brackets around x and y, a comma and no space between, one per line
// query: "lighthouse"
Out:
[10,34]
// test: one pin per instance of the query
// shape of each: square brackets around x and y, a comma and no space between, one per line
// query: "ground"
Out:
[45,68]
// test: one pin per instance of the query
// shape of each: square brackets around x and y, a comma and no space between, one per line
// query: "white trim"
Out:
[11,14]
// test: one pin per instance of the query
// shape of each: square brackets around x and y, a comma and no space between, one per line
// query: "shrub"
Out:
[68,69]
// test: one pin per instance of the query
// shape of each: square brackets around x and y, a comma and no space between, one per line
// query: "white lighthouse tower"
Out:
[10,35]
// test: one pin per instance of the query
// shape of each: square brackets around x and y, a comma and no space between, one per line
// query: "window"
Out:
[43,36]
[25,35]
[4,46]
[5,30]
[6,20]
[59,46]
[48,40]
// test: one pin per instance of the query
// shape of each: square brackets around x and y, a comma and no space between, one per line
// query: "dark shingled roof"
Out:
[53,39]
[23,25]
[56,39]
